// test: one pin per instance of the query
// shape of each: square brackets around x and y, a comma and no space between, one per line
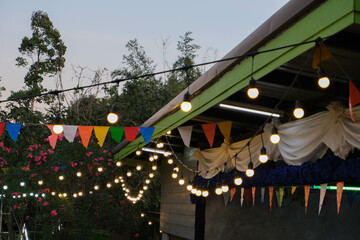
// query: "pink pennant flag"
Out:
[130,133]
[307,191]
[2,125]
[185,133]
[271,193]
[242,196]
[209,130]
[322,196]
[253,194]
[85,134]
[339,191]
[53,137]
[232,191]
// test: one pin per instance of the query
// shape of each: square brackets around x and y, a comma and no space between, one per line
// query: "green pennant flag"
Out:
[117,133]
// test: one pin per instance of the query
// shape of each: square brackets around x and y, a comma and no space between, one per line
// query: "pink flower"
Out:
[73,164]
[136,235]
[56,169]
[53,213]
[30,155]
[50,151]
[16,207]
[1,144]
[33,175]
[39,200]
[122,202]
[46,190]
[89,154]
[45,204]
[30,148]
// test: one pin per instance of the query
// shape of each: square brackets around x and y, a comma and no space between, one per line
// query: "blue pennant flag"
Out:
[13,130]
[147,133]
[350,197]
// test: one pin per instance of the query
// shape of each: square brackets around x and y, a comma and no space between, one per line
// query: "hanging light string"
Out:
[118,80]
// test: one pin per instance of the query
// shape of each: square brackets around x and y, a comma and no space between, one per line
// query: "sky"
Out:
[96,32]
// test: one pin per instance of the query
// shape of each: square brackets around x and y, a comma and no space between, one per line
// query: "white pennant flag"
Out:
[242,196]
[185,133]
[226,196]
[70,131]
[322,195]
[262,194]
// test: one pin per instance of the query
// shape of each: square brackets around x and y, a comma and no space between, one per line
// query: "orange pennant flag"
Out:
[354,97]
[307,191]
[209,130]
[100,133]
[253,194]
[85,134]
[321,54]
[232,191]
[53,137]
[130,133]
[271,193]
[225,129]
[339,191]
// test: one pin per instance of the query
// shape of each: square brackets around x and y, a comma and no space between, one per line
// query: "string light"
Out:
[138,167]
[225,187]
[100,169]
[252,92]
[189,186]
[112,117]
[186,104]
[96,187]
[181,180]
[58,128]
[142,214]
[116,180]
[64,194]
[78,174]
[170,161]
[198,192]
[168,132]
[238,180]
[129,174]
[61,177]
[147,181]
[174,174]
[160,145]
[108,185]
[274,138]
[151,158]
[80,194]
[218,190]
[154,167]
[263,157]
[298,111]
[52,193]
[145,187]
[40,182]
[75,195]
[250,170]
[156,157]
[323,80]
[118,163]
[22,184]
[5,187]
[205,193]
[193,190]
[151,175]
[138,152]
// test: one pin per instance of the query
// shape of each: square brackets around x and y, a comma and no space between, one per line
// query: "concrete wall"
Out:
[288,222]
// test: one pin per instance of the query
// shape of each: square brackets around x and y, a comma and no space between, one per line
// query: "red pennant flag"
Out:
[85,134]
[232,193]
[307,191]
[354,98]
[1,128]
[53,137]
[271,193]
[130,133]
[247,194]
[339,191]
[209,130]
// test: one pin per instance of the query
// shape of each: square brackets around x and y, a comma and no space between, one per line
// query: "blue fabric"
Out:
[147,133]
[326,170]
[13,130]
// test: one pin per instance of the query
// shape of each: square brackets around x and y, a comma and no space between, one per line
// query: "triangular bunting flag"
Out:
[262,195]
[232,191]
[307,191]
[100,133]
[185,133]
[339,191]
[147,133]
[327,197]
[351,196]
[293,188]
[271,192]
[1,128]
[247,194]
[322,196]
[281,196]
[225,129]
[13,130]
[130,133]
[85,134]
[253,189]
[209,130]
[226,196]
[354,98]
[53,137]
[321,54]
[277,194]
[117,133]
[70,132]
[242,197]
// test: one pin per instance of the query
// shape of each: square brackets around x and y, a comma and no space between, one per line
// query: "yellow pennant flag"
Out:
[100,133]
[321,54]
[225,129]
[293,188]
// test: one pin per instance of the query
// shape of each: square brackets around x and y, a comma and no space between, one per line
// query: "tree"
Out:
[46,51]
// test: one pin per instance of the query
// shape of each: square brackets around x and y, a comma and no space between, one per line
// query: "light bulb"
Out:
[174,175]
[193,190]
[138,167]
[189,187]
[198,192]
[78,174]
[225,188]
[6,187]
[185,106]
[112,118]
[181,181]
[142,214]
[96,187]
[58,129]
[218,191]
[61,177]
[129,174]
[75,195]
[176,169]
[116,180]
[170,161]
[238,180]
[40,182]
[324,82]
[250,170]
[64,194]
[151,175]
[168,132]
[166,154]
[154,167]
[274,138]
[160,145]
[156,157]
[151,158]
[22,184]
[80,194]
[205,193]
[147,181]
[52,193]
[108,185]
[138,152]
[150,222]
[118,163]
[263,157]
[100,169]
[252,92]
[145,187]
[298,112]
[60,195]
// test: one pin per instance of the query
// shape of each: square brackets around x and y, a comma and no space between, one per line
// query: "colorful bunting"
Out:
[1,128]
[253,194]
[354,98]
[277,194]
[321,54]
[242,196]
[70,132]
[322,196]
[53,137]
[247,194]
[225,129]
[281,196]
[293,188]
[185,133]
[339,191]
[100,133]
[351,196]
[117,133]
[130,133]
[327,197]
[271,192]
[85,134]
[232,191]
[147,133]
[307,192]
[262,195]
[226,196]
[13,130]
[209,130]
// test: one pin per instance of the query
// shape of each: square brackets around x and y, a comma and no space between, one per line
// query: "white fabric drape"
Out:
[302,140]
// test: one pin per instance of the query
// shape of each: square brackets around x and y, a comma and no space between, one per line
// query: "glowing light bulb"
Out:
[142,214]
[252,92]
[160,145]
[58,129]
[129,174]
[151,158]
[78,174]
[108,185]
[225,188]
[138,167]
[75,195]
[154,167]
[100,169]
[185,106]
[170,161]
[174,175]
[80,194]
[147,181]
[40,182]
[274,138]
[198,192]
[156,157]
[166,154]
[205,193]
[112,118]
[64,194]
[145,187]
[218,191]
[263,157]
[61,177]
[5,187]
[324,82]
[168,132]
[250,171]
[150,222]
[181,181]
[138,152]
[193,190]
[189,187]
[238,180]
[118,163]
[22,184]
[53,193]
[151,175]
[96,187]
[176,169]
[116,180]
[298,112]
